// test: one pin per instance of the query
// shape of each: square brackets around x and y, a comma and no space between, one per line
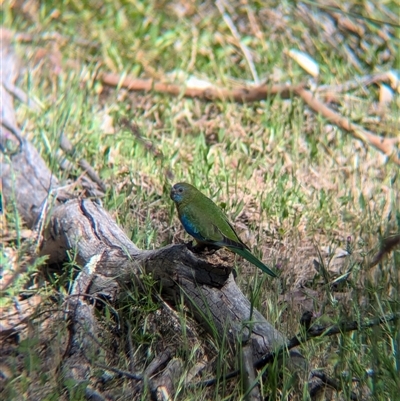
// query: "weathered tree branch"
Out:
[241,95]
[386,246]
[385,145]
[207,284]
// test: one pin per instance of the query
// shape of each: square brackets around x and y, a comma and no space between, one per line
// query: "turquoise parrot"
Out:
[208,224]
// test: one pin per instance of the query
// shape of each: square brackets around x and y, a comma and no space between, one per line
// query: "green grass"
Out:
[293,184]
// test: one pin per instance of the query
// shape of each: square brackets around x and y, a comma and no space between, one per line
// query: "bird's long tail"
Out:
[252,259]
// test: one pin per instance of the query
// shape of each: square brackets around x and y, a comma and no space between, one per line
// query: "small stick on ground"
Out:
[385,145]
[236,35]
[67,147]
[386,246]
[240,95]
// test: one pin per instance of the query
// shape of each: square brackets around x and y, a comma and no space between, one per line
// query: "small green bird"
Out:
[208,224]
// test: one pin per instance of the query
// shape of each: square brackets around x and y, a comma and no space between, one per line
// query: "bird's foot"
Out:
[197,248]
[210,249]
[202,248]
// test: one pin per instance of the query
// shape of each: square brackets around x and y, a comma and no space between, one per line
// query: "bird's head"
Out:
[182,192]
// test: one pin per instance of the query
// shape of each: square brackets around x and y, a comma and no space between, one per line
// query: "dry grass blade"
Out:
[236,35]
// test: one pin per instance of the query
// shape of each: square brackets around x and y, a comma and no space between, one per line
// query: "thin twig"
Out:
[15,131]
[385,145]
[129,375]
[158,361]
[131,352]
[24,37]
[386,246]
[324,331]
[356,83]
[352,14]
[67,147]
[327,381]
[240,95]
[19,94]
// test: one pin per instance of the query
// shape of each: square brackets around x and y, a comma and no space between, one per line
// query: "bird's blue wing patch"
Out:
[191,228]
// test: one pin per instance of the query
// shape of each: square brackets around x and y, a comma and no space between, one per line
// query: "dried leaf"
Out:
[305,62]
[394,80]
[190,81]
[385,95]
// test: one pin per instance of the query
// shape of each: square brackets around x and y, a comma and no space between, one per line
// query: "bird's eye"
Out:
[180,190]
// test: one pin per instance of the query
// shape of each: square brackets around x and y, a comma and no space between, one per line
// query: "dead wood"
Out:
[362,81]
[164,387]
[318,386]
[241,95]
[83,227]
[69,149]
[385,145]
[27,169]
[386,246]
[249,376]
